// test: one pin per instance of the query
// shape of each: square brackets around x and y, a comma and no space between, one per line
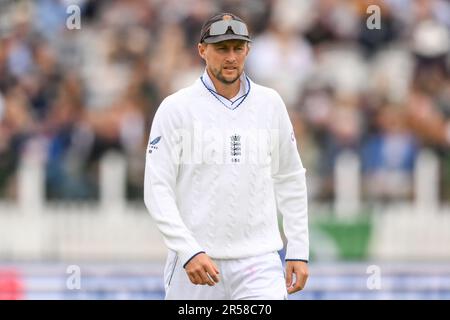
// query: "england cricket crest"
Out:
[235,145]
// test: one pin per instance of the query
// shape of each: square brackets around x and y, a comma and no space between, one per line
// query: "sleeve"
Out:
[289,178]
[161,170]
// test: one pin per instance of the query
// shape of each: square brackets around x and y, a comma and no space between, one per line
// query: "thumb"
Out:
[288,276]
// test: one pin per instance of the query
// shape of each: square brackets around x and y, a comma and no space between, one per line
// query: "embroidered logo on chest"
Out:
[235,148]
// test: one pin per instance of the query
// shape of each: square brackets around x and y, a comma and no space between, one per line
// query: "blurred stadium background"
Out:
[371,110]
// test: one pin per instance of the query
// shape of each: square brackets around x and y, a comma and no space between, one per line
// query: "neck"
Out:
[224,89]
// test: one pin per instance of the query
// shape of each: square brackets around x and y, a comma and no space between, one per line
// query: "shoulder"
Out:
[179,97]
[175,102]
[267,94]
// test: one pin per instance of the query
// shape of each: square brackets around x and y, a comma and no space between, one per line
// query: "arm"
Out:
[291,195]
[161,170]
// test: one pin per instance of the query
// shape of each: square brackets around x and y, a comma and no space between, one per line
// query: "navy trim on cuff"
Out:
[305,261]
[184,265]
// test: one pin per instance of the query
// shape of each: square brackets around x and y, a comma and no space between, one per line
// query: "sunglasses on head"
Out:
[221,27]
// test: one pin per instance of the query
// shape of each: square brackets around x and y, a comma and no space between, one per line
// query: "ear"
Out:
[248,48]
[201,50]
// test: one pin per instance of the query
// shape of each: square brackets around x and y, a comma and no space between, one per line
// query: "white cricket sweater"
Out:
[216,176]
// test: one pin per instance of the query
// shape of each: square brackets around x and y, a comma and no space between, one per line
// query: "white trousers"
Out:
[254,278]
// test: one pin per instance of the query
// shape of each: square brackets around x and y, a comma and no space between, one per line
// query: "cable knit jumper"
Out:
[217,173]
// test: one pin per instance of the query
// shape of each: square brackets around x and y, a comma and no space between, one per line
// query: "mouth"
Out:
[229,68]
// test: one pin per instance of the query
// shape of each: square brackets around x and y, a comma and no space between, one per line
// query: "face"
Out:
[225,60]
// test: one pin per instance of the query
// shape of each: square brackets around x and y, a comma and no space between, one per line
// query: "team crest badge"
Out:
[235,148]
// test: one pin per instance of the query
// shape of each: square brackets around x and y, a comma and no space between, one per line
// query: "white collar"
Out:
[229,103]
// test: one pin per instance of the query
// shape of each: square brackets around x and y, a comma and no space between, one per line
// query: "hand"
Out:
[202,270]
[300,269]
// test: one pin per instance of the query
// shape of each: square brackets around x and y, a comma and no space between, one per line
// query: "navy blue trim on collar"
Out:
[215,94]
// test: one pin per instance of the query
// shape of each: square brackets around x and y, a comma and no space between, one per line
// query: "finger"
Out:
[291,288]
[212,273]
[197,279]
[204,278]
[288,276]
[303,276]
[296,286]
[216,269]
[299,281]
[192,278]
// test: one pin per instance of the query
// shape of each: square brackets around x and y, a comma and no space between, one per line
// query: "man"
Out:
[221,160]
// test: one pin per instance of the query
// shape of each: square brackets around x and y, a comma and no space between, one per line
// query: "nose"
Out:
[231,57]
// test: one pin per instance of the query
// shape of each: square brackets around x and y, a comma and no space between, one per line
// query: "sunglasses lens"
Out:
[218,28]
[221,27]
[239,28]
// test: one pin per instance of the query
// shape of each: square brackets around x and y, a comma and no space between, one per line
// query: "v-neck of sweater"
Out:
[229,103]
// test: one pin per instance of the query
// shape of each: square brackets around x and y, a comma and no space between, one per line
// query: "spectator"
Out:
[96,89]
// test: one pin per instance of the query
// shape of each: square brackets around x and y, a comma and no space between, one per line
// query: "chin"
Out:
[231,79]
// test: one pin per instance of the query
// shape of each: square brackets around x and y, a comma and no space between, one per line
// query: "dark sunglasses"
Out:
[221,27]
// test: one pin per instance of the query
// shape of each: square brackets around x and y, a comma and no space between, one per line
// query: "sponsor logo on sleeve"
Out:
[153,144]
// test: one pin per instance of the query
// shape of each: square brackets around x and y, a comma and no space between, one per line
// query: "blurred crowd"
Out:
[381,93]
